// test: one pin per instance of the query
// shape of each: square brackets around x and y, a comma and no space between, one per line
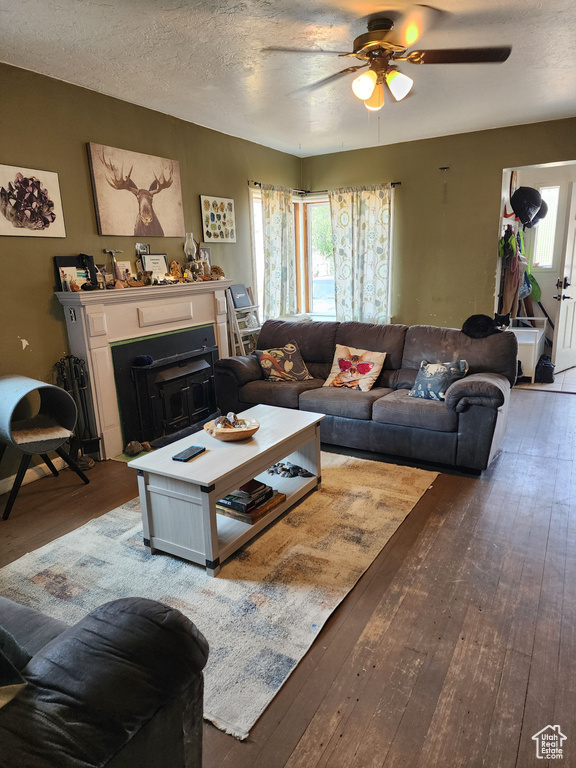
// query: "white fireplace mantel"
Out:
[96,319]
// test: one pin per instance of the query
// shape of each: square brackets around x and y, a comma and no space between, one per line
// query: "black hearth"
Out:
[171,394]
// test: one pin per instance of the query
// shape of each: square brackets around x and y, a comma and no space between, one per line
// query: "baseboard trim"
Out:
[34,473]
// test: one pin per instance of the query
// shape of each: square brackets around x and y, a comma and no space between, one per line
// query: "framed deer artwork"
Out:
[135,194]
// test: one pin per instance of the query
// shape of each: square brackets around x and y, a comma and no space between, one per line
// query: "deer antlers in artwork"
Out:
[146,221]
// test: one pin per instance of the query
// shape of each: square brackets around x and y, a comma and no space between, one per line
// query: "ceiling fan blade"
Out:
[460,56]
[321,83]
[417,19]
[279,49]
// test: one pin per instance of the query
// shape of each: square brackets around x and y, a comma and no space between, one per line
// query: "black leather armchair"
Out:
[121,688]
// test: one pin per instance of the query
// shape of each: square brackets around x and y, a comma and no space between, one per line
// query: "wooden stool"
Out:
[46,431]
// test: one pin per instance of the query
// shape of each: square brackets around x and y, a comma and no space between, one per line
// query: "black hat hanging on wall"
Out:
[526,203]
[541,213]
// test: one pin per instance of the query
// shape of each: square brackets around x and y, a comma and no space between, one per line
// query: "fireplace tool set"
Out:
[72,377]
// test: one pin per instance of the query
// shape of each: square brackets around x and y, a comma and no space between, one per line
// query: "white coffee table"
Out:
[178,499]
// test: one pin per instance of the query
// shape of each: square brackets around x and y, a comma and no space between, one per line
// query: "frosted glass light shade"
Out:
[376,101]
[400,85]
[363,85]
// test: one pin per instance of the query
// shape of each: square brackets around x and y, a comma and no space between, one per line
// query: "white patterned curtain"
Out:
[279,252]
[361,240]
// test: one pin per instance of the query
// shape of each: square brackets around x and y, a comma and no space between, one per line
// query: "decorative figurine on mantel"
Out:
[176,271]
[217,273]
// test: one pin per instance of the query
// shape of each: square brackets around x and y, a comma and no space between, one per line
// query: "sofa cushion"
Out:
[284,394]
[380,338]
[351,404]
[404,411]
[354,368]
[495,354]
[283,363]
[433,379]
[316,341]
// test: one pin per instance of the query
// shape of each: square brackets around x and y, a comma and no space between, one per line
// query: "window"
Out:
[315,262]
[319,259]
[545,232]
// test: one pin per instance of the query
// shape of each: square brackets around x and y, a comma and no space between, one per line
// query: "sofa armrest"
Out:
[486,389]
[243,368]
[92,688]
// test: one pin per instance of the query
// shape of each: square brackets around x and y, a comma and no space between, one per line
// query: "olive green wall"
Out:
[446,224]
[45,124]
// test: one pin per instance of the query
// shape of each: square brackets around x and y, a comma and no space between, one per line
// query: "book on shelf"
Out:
[245,504]
[252,517]
[250,489]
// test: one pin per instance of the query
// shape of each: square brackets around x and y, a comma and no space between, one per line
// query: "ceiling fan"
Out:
[387,43]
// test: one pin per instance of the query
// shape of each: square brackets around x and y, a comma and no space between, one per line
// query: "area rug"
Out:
[269,602]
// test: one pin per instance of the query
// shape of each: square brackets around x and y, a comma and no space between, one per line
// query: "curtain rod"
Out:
[318,191]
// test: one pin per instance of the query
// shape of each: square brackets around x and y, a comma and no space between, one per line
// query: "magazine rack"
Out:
[243,321]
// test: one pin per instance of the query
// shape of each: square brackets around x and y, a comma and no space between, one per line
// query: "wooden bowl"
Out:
[232,433]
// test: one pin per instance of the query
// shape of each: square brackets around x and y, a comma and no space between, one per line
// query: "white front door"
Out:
[564,347]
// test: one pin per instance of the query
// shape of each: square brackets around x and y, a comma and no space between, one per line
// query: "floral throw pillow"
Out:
[283,363]
[355,368]
[433,379]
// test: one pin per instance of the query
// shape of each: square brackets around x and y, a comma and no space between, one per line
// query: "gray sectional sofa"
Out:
[464,431]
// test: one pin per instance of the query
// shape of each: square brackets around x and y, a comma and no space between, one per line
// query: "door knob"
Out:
[562,283]
[559,297]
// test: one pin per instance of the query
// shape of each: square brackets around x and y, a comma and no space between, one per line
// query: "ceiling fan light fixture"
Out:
[419,19]
[376,100]
[399,84]
[363,86]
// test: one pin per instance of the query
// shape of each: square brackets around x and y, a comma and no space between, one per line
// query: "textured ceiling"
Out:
[204,62]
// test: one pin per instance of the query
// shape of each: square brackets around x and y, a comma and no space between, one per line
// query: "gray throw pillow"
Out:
[433,379]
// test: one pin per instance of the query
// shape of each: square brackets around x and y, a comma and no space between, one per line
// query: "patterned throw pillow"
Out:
[355,368]
[283,363]
[433,379]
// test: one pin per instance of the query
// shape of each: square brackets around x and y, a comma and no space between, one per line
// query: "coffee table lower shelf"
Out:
[233,534]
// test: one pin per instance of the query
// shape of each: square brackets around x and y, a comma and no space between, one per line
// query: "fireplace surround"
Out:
[188,318]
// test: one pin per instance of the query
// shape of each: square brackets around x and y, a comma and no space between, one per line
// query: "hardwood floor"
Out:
[456,645]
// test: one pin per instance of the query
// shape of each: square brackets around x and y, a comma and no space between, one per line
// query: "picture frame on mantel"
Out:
[30,203]
[155,263]
[74,270]
[218,219]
